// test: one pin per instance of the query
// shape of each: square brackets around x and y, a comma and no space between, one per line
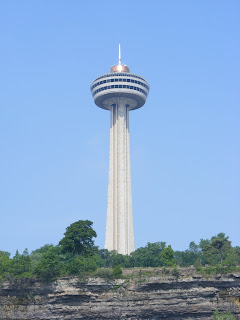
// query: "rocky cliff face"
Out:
[148,294]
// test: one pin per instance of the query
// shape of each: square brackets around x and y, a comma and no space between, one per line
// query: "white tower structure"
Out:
[119,92]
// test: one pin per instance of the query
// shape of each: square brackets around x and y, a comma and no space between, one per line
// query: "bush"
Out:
[222,316]
[221,269]
[165,270]
[231,259]
[209,270]
[117,271]
[175,272]
[198,265]
[105,273]
[79,265]
[168,256]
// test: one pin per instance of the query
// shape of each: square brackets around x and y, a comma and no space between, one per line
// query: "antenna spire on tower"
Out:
[120,67]
[119,55]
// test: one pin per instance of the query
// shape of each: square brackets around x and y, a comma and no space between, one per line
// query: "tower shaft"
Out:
[119,227]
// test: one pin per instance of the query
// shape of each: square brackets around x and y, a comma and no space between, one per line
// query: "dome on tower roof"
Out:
[120,67]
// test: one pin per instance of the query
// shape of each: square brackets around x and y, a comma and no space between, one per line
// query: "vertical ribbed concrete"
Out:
[119,227]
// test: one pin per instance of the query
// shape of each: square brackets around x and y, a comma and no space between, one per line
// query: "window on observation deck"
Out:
[120,86]
[120,80]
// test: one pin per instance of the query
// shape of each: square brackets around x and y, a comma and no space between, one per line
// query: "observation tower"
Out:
[119,92]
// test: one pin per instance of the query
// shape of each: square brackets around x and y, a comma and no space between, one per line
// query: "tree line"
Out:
[76,254]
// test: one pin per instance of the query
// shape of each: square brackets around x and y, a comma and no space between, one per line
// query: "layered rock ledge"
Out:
[147,294]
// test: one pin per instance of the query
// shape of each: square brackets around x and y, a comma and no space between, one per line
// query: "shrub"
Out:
[198,265]
[79,265]
[105,273]
[175,272]
[222,316]
[117,271]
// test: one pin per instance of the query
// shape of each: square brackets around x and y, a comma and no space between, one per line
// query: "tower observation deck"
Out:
[119,92]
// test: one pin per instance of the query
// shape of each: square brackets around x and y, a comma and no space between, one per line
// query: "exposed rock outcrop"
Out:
[148,294]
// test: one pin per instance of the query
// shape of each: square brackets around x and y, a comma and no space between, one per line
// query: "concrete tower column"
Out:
[119,227]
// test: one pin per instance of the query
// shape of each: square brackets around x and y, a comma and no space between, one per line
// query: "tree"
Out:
[222,244]
[193,247]
[179,258]
[186,258]
[214,251]
[36,255]
[20,265]
[4,263]
[79,265]
[104,258]
[110,259]
[149,256]
[119,259]
[49,266]
[231,258]
[237,251]
[168,256]
[78,238]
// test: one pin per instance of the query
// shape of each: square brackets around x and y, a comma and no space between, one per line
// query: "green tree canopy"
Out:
[149,256]
[168,256]
[49,266]
[4,262]
[221,244]
[20,265]
[78,265]
[36,255]
[78,238]
[215,250]
[193,247]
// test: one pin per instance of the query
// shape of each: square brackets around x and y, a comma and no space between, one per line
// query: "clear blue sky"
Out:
[54,142]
